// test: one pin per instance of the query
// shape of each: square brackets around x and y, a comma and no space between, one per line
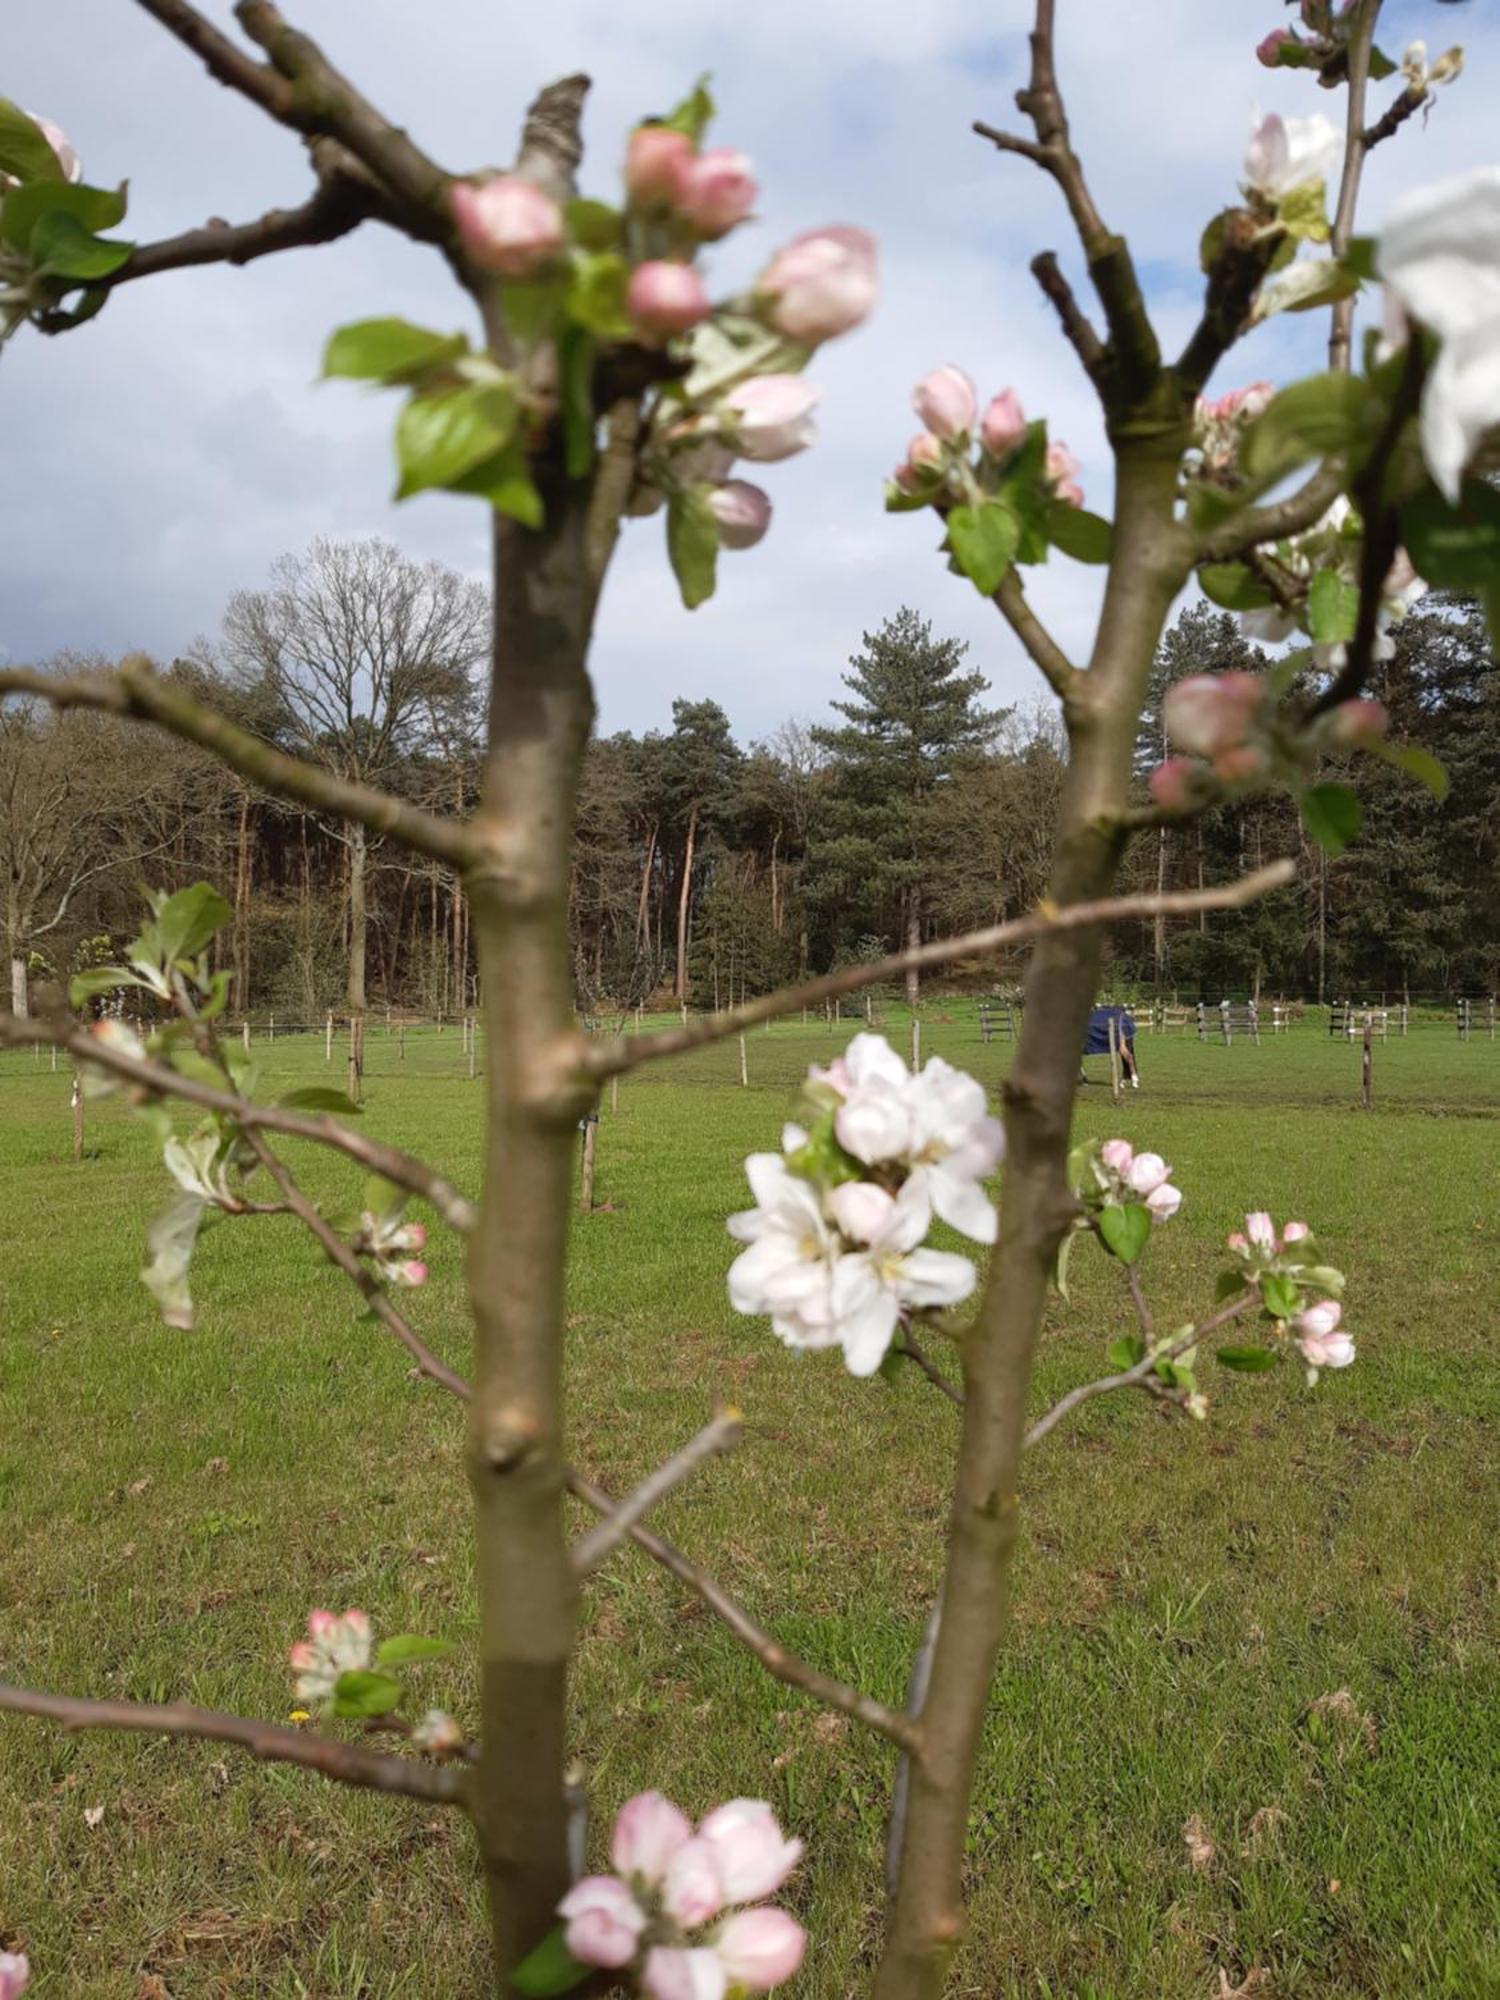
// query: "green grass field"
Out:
[1186,1598]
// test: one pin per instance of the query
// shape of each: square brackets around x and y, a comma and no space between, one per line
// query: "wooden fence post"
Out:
[473,1046]
[1366,1065]
[328,1038]
[614,1092]
[1114,1057]
[586,1165]
[245,1035]
[916,1044]
[744,1063]
[77,1105]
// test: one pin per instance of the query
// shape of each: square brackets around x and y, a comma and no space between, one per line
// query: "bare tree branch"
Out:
[224,60]
[910,1349]
[916,1697]
[1299,511]
[1057,669]
[1361,42]
[773,1656]
[723,1434]
[605,1057]
[347,1763]
[137,693]
[404,1169]
[1076,324]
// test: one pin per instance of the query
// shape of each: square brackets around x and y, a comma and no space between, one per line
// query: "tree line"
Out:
[706,869]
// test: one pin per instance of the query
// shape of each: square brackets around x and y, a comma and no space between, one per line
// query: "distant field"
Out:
[174,1503]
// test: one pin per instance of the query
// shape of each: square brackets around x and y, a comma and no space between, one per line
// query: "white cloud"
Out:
[165,455]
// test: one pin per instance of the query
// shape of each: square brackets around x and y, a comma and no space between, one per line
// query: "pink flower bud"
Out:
[1237,1243]
[1359,722]
[1174,784]
[656,163]
[507,225]
[754,1857]
[1317,1333]
[770,416]
[303,1657]
[925,453]
[603,1920]
[15,1974]
[664,299]
[412,1273]
[1164,1201]
[672,1974]
[758,1949]
[1117,1155]
[416,1235]
[1260,1229]
[717,190]
[693,1892]
[1241,765]
[1269,51]
[1207,713]
[648,1831]
[822,283]
[320,1624]
[743,512]
[1295,1232]
[1003,424]
[1146,1173]
[946,403]
[438,1734]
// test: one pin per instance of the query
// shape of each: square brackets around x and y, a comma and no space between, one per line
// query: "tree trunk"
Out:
[643,907]
[18,1001]
[1147,568]
[776,910]
[242,876]
[1159,923]
[358,921]
[913,939]
[540,710]
[684,894]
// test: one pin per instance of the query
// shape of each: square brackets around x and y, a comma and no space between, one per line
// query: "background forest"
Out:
[706,868]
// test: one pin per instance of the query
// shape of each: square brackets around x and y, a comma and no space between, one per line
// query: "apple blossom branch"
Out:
[773,1656]
[389,1161]
[347,1763]
[607,1057]
[1257,525]
[722,1434]
[136,693]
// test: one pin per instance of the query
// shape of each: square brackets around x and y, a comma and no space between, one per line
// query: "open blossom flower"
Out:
[438,1734]
[872,1285]
[873,1122]
[1440,255]
[664,298]
[1259,1244]
[955,1144]
[507,225]
[1209,713]
[946,403]
[788,1269]
[1003,424]
[822,283]
[1286,154]
[120,1039]
[15,1974]
[743,512]
[716,190]
[334,1646]
[656,163]
[1322,1342]
[678,1881]
[769,417]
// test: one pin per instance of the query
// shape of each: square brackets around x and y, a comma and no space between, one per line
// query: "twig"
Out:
[1299,511]
[1138,1300]
[1057,669]
[224,60]
[916,1697]
[1361,40]
[773,1656]
[1076,324]
[364,1281]
[723,1434]
[604,1057]
[389,1161]
[910,1350]
[272,1743]
[1390,122]
[136,693]
[1142,1375]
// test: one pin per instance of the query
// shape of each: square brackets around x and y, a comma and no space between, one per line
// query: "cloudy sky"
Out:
[167,453]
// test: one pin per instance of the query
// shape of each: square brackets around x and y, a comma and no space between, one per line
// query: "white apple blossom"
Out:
[1286,154]
[333,1646]
[873,1284]
[874,1120]
[1323,1343]
[955,1144]
[788,1269]
[1440,254]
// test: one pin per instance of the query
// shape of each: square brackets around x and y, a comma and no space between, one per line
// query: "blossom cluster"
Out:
[1120,1174]
[334,1646]
[940,460]
[669,1882]
[1332,547]
[387,1240]
[1219,424]
[836,1251]
[1283,1265]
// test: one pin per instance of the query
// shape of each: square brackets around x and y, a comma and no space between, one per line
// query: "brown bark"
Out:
[913,939]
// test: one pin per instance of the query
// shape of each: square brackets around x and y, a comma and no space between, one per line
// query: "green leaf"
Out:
[1304,285]
[362,1693]
[1227,1284]
[596,296]
[984,541]
[383,1198]
[170,1237]
[575,368]
[1417,763]
[1332,816]
[1126,1352]
[61,247]
[1332,609]
[1280,1296]
[594,225]
[899,501]
[1454,548]
[188,1062]
[1211,242]
[1086,537]
[505,481]
[321,1097]
[1381,65]
[405,1647]
[440,437]
[533,309]
[23,207]
[100,979]
[187,920]
[550,1969]
[693,544]
[24,150]
[1325,413]
[1233,586]
[389,351]
[1360,256]
[1247,1360]
[1325,1280]
[692,115]
[1304,212]
[1060,1262]
[1126,1230]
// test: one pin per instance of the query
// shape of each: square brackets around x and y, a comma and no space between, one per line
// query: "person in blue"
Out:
[1096,1040]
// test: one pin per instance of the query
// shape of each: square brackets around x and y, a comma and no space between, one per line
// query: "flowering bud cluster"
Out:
[1284,1266]
[835,1240]
[387,1240]
[961,452]
[1219,424]
[333,1646]
[669,1882]
[1117,1174]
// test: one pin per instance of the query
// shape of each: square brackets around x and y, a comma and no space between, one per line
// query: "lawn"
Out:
[1188,1599]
